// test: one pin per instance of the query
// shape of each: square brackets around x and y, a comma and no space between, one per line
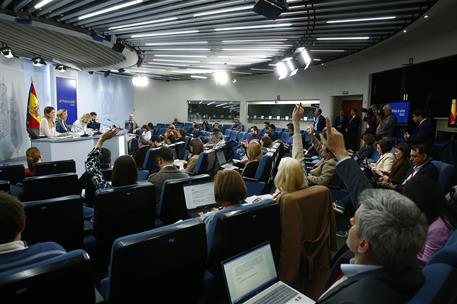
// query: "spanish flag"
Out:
[33,110]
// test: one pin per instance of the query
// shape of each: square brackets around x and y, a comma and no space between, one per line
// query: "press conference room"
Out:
[235,151]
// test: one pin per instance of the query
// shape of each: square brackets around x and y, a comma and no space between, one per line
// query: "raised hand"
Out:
[334,141]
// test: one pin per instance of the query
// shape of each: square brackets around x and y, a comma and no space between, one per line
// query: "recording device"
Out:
[271,9]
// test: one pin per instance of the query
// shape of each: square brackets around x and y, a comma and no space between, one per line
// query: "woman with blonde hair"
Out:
[254,154]
[80,125]
[61,121]
[33,155]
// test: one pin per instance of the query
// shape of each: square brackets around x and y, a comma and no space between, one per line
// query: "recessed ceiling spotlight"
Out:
[38,61]
[7,52]
[61,68]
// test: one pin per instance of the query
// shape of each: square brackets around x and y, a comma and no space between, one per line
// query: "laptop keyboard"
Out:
[279,295]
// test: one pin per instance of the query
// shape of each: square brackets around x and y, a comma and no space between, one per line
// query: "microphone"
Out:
[115,124]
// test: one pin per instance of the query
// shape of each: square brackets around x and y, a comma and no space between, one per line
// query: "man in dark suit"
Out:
[319,122]
[341,122]
[387,231]
[352,131]
[167,171]
[425,131]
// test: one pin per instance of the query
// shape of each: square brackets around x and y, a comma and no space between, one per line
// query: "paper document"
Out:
[199,195]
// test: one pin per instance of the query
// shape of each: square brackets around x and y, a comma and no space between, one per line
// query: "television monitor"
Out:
[401,111]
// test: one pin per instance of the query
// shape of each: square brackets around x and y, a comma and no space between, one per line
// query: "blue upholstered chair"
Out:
[446,174]
[63,279]
[439,286]
[57,219]
[164,265]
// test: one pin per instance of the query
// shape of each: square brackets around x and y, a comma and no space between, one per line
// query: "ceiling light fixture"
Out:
[362,19]
[184,49]
[327,51]
[198,77]
[282,70]
[279,40]
[143,23]
[164,34]
[262,70]
[224,10]
[42,3]
[140,81]
[7,52]
[38,61]
[175,43]
[343,38]
[179,61]
[249,27]
[61,68]
[221,77]
[110,9]
[180,56]
[304,56]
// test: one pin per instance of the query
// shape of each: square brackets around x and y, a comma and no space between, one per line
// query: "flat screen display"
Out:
[401,111]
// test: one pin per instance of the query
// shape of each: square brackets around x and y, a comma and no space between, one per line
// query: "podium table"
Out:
[77,148]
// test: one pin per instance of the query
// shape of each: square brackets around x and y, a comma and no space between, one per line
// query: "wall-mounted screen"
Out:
[401,111]
[199,110]
[280,110]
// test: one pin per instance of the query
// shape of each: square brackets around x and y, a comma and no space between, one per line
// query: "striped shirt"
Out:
[17,254]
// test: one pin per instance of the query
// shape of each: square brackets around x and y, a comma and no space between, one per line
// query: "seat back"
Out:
[180,148]
[57,219]
[171,260]
[4,185]
[172,205]
[446,174]
[12,173]
[123,210]
[264,168]
[63,279]
[439,286]
[239,230]
[50,186]
[150,161]
[202,163]
[55,167]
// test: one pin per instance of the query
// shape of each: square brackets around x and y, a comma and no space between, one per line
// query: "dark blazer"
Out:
[250,168]
[320,125]
[376,286]
[341,121]
[353,178]
[427,170]
[353,125]
[424,133]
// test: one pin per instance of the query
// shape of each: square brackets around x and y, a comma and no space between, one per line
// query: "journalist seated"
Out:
[15,253]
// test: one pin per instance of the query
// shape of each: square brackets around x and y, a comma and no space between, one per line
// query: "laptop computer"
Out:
[199,198]
[251,278]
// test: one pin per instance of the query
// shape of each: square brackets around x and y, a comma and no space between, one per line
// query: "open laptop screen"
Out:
[249,273]
[199,195]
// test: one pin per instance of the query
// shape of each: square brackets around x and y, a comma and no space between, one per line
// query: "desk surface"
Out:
[71,139]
